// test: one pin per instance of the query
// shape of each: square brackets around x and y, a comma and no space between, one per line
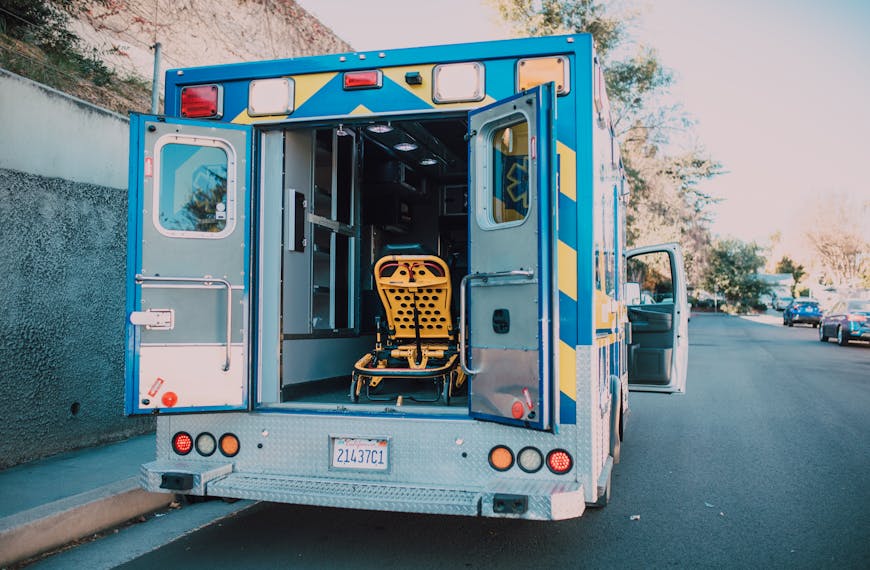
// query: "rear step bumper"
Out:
[538,500]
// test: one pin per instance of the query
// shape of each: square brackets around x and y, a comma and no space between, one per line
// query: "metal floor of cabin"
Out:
[336,391]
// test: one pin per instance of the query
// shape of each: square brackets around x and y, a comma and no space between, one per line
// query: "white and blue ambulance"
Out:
[262,208]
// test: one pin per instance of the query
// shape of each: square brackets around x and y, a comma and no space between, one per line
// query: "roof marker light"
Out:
[370,79]
[202,101]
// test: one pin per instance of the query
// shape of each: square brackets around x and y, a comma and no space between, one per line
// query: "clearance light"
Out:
[559,461]
[271,97]
[540,70]
[202,102]
[182,443]
[530,459]
[501,458]
[229,444]
[371,79]
[458,82]
[205,444]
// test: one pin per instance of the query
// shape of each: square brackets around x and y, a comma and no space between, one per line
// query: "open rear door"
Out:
[188,266]
[658,311]
[506,297]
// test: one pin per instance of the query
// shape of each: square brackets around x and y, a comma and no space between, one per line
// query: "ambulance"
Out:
[393,281]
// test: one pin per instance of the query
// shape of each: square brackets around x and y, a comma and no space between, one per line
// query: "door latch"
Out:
[154,319]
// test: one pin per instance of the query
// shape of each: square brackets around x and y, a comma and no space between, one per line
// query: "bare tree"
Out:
[839,237]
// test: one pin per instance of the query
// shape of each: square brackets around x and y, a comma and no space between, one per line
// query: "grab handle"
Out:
[203,280]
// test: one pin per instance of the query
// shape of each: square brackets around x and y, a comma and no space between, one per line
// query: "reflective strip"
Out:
[567,170]
[567,269]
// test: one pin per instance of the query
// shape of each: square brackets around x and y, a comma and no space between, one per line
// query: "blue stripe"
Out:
[567,320]
[567,409]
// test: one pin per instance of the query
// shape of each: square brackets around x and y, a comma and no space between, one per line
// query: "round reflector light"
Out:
[229,444]
[501,458]
[530,459]
[182,443]
[205,444]
[559,461]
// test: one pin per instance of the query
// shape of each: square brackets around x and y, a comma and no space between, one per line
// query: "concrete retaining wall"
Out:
[63,215]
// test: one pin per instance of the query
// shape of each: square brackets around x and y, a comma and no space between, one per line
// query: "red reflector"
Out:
[362,79]
[559,461]
[200,101]
[182,443]
[517,410]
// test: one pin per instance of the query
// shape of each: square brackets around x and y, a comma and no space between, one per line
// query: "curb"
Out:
[49,526]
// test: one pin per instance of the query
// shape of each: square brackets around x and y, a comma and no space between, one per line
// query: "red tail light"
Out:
[182,443]
[857,318]
[201,102]
[559,461]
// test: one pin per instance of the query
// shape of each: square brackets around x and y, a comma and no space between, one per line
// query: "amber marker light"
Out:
[501,458]
[229,444]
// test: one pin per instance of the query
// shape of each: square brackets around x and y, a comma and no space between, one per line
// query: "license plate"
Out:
[354,453]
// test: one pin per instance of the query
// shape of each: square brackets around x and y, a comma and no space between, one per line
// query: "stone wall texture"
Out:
[62,267]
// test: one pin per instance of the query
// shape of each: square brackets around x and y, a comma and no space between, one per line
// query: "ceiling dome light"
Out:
[379,129]
[405,146]
[429,161]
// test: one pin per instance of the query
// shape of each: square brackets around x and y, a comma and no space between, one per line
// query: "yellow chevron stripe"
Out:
[308,85]
[567,370]
[566,263]
[567,170]
[361,110]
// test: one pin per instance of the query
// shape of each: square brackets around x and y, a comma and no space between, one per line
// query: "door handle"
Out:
[463,286]
[140,279]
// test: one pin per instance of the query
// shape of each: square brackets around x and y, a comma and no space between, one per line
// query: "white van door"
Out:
[658,313]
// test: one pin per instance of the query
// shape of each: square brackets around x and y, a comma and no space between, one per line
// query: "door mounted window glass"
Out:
[510,173]
[194,187]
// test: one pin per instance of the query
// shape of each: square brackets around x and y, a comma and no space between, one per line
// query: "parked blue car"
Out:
[847,320]
[802,311]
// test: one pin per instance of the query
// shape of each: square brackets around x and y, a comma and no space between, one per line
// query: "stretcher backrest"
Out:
[416,292]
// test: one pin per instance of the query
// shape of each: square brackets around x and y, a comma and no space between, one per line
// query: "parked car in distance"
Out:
[780,303]
[802,311]
[847,320]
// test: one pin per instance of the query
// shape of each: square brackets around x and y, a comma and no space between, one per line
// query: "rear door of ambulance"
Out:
[188,267]
[506,297]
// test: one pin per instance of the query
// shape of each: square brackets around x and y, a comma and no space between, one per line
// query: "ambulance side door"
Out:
[188,277]
[658,314]
[506,299]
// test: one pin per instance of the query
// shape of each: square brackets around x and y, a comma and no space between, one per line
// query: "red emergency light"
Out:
[202,102]
[371,79]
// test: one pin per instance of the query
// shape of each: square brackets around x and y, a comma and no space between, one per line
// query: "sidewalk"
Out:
[49,503]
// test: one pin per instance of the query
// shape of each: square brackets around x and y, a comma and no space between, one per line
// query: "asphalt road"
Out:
[763,463]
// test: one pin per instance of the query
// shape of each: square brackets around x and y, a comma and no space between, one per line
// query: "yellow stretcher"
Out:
[419,339]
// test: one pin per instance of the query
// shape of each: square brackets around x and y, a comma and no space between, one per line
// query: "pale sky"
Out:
[780,89]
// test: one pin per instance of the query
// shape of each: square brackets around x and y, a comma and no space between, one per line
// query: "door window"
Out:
[194,188]
[509,195]
[653,273]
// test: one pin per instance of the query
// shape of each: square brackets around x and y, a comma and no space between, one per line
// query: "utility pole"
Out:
[155,82]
